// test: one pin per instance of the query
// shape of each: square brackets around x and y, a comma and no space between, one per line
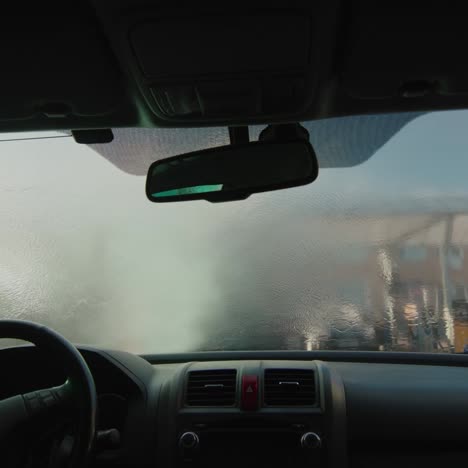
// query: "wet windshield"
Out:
[372,256]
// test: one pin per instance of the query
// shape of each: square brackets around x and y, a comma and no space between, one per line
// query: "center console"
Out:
[253,414]
[251,445]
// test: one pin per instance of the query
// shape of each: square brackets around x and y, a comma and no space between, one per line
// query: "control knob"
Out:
[311,440]
[189,441]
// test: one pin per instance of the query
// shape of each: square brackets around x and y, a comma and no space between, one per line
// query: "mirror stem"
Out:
[284,132]
[239,135]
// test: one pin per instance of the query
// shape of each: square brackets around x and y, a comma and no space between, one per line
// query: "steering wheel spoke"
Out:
[13,414]
[37,408]
[49,401]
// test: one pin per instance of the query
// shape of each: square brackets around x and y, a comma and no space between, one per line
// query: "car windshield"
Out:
[371,256]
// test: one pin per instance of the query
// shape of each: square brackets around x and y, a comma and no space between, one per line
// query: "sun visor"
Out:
[56,65]
[408,52]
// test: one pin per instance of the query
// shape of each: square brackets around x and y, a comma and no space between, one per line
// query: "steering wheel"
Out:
[76,396]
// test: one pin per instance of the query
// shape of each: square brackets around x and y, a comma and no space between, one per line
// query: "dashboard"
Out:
[262,409]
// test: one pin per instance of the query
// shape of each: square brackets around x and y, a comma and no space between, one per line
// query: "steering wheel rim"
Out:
[79,387]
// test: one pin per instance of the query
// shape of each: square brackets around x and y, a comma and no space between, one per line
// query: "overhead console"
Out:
[209,65]
[252,413]
[222,66]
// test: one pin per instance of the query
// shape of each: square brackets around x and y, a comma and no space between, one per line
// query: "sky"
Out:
[84,251]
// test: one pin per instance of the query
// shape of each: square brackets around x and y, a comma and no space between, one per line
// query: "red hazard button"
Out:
[249,392]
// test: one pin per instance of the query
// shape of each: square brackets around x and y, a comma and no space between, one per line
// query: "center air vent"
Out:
[289,387]
[211,388]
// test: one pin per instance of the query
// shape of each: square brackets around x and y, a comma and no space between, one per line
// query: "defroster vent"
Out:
[289,387]
[211,387]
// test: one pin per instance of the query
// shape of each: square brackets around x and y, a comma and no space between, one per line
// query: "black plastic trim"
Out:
[458,360]
[334,397]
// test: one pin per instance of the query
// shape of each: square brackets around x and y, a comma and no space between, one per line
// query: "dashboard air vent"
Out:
[211,388]
[289,387]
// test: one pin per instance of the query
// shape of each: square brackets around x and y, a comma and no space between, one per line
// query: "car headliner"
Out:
[74,68]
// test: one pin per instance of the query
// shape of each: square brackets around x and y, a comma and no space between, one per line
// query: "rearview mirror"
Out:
[232,172]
